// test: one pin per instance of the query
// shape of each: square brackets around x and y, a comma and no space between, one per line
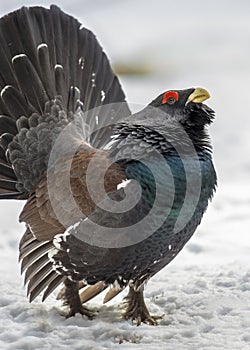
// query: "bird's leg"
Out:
[61,293]
[72,299]
[137,309]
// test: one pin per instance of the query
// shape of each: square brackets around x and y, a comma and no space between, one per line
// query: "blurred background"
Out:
[164,44]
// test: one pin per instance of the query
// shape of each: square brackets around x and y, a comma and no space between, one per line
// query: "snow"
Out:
[205,292]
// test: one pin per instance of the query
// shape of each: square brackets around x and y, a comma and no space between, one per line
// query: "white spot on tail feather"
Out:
[58,66]
[81,62]
[5,89]
[41,46]
[93,79]
[102,95]
[75,88]
[21,55]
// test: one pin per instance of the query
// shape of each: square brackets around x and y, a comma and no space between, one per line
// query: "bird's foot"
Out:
[137,309]
[80,310]
[71,298]
[140,315]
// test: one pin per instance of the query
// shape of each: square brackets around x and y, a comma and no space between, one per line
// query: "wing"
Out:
[43,211]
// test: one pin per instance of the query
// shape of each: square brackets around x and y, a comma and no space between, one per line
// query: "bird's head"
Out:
[176,113]
[186,107]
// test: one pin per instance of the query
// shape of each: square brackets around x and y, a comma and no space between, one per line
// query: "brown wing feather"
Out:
[39,213]
[43,227]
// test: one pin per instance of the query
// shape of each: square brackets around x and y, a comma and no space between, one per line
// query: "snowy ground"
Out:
[205,292]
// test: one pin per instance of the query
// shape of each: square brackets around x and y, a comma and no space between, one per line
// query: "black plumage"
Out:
[54,77]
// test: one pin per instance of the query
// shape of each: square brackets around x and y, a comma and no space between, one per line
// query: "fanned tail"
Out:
[50,67]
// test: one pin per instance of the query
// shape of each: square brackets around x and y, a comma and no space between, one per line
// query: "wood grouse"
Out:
[111,197]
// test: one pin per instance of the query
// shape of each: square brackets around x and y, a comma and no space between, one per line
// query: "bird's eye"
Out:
[170,97]
[171,100]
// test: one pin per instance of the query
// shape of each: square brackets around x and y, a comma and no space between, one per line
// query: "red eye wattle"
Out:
[170,97]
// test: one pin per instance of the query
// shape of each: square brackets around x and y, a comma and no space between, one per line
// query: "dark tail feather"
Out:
[31,84]
[8,185]
[8,179]
[13,195]
[9,124]
[50,53]
[53,62]
[39,273]
[7,172]
[15,102]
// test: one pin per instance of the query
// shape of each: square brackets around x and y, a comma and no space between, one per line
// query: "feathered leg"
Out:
[61,293]
[72,299]
[137,309]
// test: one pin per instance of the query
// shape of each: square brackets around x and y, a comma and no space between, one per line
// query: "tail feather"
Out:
[5,140]
[113,292]
[8,185]
[43,39]
[51,58]
[12,195]
[60,79]
[7,172]
[92,291]
[15,102]
[3,159]
[26,73]
[44,62]
[9,124]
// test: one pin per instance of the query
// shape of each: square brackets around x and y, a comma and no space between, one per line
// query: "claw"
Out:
[137,309]
[81,310]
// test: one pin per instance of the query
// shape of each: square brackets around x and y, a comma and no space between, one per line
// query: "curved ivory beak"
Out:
[198,96]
